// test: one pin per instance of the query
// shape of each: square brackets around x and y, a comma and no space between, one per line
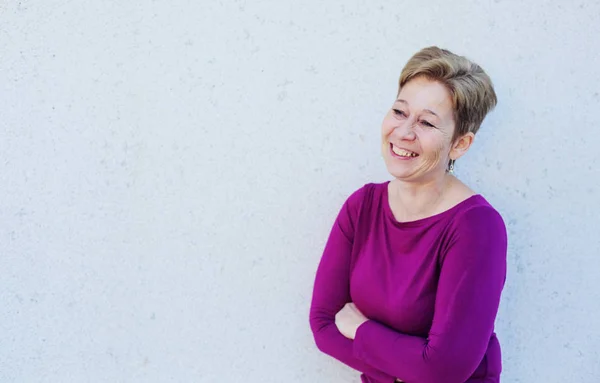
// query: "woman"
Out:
[409,283]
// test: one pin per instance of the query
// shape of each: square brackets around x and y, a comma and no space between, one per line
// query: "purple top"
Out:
[430,287]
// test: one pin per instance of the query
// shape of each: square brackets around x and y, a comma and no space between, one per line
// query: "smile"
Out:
[403,153]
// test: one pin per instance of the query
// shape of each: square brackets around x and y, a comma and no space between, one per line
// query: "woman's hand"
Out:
[348,319]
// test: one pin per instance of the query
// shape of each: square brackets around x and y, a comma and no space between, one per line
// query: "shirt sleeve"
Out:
[472,276]
[332,291]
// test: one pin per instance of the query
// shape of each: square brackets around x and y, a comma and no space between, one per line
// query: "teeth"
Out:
[403,153]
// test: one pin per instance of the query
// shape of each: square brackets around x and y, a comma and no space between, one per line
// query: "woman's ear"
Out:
[461,145]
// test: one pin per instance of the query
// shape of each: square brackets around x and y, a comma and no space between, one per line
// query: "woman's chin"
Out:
[399,170]
[401,174]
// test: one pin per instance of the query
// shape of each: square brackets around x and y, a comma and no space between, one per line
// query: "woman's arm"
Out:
[332,291]
[472,276]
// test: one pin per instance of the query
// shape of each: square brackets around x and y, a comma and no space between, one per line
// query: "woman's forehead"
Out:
[427,96]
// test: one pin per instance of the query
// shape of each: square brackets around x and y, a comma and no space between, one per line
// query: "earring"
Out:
[451,167]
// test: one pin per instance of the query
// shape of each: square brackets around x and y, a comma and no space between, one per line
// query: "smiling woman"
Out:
[413,131]
[410,280]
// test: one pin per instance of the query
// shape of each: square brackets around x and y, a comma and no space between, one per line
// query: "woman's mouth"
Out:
[402,153]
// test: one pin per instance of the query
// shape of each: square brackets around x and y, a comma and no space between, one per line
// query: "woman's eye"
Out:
[398,112]
[427,124]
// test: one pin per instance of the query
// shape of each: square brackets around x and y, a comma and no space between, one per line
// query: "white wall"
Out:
[170,171]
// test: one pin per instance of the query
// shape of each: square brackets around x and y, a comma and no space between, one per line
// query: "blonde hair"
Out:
[470,87]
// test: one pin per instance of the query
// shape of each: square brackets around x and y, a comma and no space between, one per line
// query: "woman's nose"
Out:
[405,131]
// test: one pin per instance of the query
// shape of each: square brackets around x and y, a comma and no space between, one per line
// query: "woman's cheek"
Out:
[388,127]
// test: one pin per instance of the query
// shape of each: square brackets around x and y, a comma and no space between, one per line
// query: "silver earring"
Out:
[451,167]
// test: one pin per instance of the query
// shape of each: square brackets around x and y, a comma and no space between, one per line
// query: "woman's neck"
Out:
[410,201]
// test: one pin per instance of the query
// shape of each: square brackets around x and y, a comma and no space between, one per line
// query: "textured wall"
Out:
[171,169]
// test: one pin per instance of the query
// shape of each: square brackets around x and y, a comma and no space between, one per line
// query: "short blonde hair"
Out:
[470,87]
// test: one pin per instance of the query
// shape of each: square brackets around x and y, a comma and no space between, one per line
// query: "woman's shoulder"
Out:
[366,193]
[363,197]
[470,203]
[476,213]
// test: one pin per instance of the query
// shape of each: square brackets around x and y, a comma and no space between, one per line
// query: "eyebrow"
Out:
[424,110]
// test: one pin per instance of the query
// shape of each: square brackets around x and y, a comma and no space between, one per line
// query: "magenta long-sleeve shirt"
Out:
[430,288]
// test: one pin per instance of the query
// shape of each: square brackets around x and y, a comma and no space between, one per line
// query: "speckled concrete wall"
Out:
[171,169]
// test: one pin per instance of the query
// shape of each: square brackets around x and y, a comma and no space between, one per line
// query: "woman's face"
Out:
[417,131]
